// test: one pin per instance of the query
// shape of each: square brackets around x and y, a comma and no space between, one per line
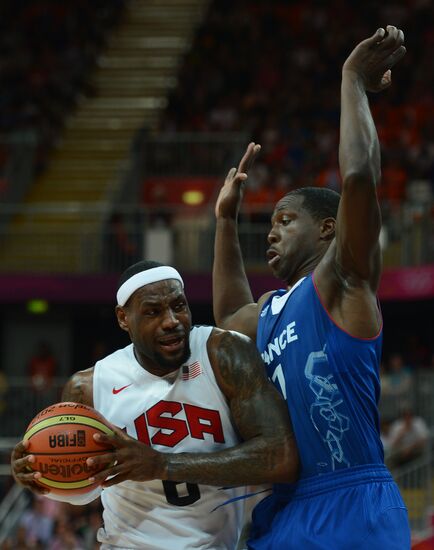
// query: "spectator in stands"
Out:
[385,437]
[42,367]
[121,249]
[20,541]
[298,131]
[90,530]
[47,52]
[38,526]
[416,350]
[65,537]
[408,438]
[398,378]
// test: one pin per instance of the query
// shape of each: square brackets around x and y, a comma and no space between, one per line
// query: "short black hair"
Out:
[138,267]
[320,202]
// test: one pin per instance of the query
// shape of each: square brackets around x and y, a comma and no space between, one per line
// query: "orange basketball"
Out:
[61,439]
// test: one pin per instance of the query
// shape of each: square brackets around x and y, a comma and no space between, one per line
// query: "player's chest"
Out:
[188,413]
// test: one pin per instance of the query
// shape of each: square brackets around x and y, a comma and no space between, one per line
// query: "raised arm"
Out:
[233,303]
[359,221]
[268,453]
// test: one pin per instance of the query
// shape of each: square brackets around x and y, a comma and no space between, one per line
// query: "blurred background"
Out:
[118,122]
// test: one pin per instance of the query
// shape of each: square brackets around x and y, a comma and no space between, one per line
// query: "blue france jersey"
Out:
[330,380]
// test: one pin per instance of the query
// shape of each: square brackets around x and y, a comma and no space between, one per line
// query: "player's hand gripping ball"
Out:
[61,440]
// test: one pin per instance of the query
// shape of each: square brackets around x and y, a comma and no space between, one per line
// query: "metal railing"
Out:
[415,481]
[419,397]
[190,153]
[21,402]
[184,236]
[11,510]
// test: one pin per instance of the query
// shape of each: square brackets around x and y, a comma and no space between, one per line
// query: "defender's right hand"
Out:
[373,59]
[230,196]
[20,464]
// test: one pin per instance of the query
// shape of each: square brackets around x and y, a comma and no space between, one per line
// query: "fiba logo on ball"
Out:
[77,439]
[61,439]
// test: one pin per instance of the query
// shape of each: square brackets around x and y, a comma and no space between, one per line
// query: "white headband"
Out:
[143,278]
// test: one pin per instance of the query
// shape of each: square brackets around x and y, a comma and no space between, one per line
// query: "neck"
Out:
[153,367]
[304,270]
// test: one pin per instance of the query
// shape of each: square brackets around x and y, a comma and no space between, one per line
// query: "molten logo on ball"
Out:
[66,471]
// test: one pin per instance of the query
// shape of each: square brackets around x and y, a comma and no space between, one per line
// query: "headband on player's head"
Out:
[146,277]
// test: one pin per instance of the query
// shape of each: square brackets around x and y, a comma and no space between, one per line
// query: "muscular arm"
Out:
[233,304]
[359,220]
[347,277]
[79,388]
[268,453]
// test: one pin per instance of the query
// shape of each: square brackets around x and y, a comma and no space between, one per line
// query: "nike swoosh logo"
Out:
[115,391]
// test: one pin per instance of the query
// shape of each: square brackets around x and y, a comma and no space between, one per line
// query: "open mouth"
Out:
[172,343]
[273,257]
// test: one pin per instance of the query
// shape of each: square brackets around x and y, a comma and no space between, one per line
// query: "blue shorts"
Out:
[358,508]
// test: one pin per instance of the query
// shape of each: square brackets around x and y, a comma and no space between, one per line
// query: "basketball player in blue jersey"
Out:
[321,336]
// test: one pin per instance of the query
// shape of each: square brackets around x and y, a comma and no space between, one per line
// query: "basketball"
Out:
[61,439]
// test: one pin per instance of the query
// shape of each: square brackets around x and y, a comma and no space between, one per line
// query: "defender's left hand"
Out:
[373,58]
[129,460]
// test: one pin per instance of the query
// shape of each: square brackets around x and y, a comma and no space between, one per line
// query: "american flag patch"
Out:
[191,371]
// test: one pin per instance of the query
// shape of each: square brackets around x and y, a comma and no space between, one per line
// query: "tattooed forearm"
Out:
[259,460]
[269,452]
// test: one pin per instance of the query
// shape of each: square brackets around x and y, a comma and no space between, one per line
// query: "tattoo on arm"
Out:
[79,388]
[268,452]
[257,408]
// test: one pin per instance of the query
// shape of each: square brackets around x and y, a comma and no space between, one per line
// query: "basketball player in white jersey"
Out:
[197,421]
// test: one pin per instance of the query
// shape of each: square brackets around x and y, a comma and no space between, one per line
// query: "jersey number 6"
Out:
[190,492]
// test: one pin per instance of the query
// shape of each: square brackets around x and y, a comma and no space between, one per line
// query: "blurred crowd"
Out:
[53,525]
[272,69]
[48,50]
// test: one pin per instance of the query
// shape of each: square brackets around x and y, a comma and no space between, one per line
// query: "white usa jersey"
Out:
[184,411]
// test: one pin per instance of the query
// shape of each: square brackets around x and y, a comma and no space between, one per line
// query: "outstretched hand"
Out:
[130,459]
[373,58]
[231,194]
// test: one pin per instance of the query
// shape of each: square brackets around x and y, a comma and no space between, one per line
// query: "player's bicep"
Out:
[244,320]
[258,411]
[257,407]
[261,412]
[79,388]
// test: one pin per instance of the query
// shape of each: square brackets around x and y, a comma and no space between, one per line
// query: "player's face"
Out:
[293,239]
[158,321]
